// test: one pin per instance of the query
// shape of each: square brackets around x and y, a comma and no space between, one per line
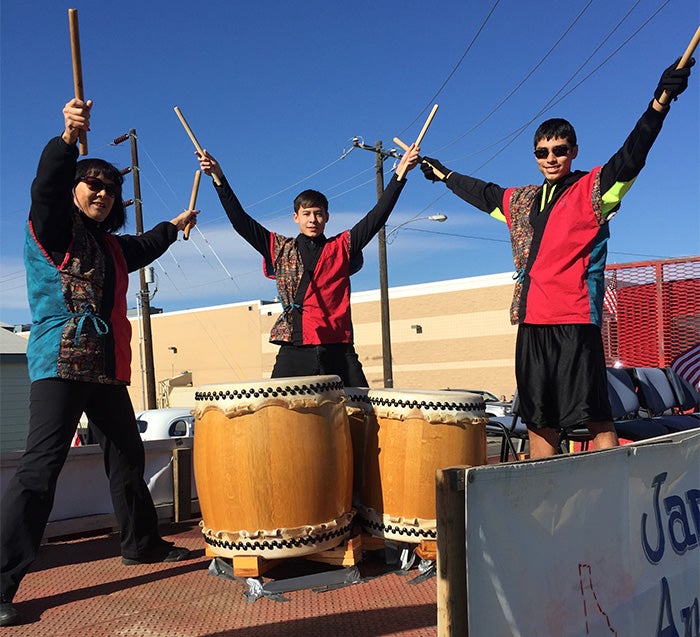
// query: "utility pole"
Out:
[380,155]
[149,382]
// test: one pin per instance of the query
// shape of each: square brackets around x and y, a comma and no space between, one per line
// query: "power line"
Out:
[528,75]
[514,134]
[458,235]
[274,214]
[12,275]
[553,101]
[431,101]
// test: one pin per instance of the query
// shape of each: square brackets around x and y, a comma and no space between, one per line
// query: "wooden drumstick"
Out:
[402,171]
[178,112]
[663,99]
[193,202]
[77,70]
[438,173]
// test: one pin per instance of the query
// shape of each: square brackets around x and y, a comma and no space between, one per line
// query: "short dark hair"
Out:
[553,128]
[116,219]
[310,199]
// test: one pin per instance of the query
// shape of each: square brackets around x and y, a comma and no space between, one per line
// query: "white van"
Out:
[171,422]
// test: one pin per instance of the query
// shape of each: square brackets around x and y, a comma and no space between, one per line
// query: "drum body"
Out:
[273,466]
[413,434]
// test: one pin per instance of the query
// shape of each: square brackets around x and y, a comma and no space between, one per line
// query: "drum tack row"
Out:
[290,467]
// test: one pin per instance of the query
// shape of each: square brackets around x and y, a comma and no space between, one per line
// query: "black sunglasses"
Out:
[557,151]
[97,185]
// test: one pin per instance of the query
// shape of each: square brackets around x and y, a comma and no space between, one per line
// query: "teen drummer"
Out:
[312,271]
[559,231]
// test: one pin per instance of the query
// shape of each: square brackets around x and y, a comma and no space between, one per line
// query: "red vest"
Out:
[325,309]
[553,284]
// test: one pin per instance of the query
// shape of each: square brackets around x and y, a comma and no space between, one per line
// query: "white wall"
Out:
[82,499]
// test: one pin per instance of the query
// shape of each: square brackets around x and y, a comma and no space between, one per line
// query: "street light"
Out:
[384,293]
[438,217]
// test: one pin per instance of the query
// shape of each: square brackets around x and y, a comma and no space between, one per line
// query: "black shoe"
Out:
[165,553]
[8,614]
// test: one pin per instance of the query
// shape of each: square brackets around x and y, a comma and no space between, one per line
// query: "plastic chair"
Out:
[658,399]
[579,434]
[687,397]
[509,429]
[512,429]
[625,406]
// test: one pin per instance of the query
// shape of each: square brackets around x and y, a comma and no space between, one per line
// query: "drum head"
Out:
[300,392]
[432,406]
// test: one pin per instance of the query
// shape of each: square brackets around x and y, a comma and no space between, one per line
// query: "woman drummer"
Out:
[79,351]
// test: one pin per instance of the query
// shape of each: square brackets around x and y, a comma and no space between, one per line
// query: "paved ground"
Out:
[79,588]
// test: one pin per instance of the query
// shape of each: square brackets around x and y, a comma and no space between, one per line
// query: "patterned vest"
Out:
[325,309]
[559,261]
[67,339]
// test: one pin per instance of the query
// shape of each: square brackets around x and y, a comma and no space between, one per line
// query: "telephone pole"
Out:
[144,300]
[380,155]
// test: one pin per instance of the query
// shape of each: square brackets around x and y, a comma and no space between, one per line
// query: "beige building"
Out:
[452,334]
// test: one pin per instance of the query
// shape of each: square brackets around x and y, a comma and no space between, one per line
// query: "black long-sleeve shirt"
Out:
[259,237]
[616,175]
[309,248]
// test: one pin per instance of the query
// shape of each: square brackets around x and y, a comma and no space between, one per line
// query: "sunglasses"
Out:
[557,151]
[97,185]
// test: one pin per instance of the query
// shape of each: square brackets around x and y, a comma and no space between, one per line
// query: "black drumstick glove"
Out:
[674,80]
[427,166]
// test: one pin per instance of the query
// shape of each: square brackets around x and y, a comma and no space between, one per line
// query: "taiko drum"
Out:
[273,466]
[412,435]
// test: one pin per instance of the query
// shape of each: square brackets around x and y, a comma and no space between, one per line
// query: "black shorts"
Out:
[560,372]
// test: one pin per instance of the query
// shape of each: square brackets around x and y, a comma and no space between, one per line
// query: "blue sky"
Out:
[277,91]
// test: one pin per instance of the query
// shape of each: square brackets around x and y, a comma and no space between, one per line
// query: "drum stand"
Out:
[318,582]
[349,553]
[251,568]
[404,554]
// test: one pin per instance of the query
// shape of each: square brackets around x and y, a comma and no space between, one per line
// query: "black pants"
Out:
[55,409]
[313,360]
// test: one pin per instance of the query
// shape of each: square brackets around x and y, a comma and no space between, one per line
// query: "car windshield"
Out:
[486,395]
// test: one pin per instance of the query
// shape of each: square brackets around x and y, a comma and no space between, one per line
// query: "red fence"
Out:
[651,311]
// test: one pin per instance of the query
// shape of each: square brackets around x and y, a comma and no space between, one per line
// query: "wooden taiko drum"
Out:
[414,434]
[273,466]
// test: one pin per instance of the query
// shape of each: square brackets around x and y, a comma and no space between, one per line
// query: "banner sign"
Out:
[603,543]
